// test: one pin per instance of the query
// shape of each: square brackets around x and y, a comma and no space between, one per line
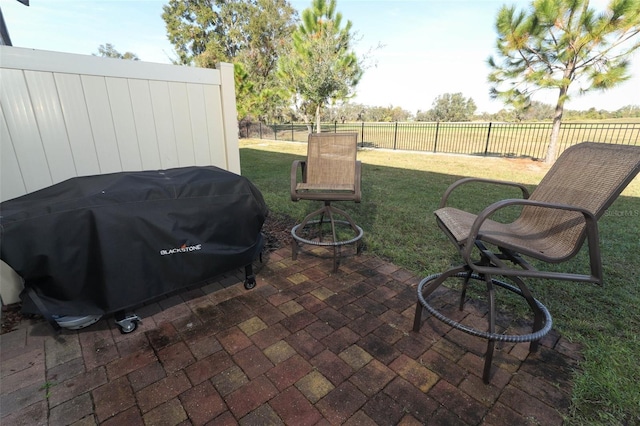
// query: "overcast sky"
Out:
[429,47]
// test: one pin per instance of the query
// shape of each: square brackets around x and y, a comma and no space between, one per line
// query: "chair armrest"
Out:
[445,196]
[591,227]
[297,164]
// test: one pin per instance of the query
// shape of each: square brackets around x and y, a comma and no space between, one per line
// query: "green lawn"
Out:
[401,190]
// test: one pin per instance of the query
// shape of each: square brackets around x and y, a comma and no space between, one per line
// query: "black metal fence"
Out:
[496,139]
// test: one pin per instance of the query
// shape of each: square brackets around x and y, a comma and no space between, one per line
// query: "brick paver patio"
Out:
[305,347]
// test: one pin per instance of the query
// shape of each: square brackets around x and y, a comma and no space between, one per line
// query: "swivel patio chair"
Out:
[552,226]
[330,173]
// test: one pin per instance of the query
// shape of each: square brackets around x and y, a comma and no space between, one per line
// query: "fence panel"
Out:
[71,115]
[492,139]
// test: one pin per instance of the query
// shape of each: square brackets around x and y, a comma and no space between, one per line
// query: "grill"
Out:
[96,245]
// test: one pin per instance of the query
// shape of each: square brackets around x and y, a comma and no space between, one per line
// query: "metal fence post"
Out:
[395,136]
[435,143]
[260,129]
[335,126]
[275,131]
[486,146]
[292,139]
[362,135]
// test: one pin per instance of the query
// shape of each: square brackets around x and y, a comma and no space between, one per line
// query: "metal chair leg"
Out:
[294,249]
[417,319]
[488,358]
[488,361]
[330,211]
[538,315]
[463,293]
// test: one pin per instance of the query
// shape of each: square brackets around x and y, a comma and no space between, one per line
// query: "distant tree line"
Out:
[544,112]
[454,107]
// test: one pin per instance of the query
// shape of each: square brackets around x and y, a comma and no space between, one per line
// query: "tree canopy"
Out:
[557,43]
[449,107]
[108,50]
[250,34]
[320,66]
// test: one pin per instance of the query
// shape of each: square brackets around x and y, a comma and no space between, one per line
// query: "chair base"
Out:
[329,211]
[542,318]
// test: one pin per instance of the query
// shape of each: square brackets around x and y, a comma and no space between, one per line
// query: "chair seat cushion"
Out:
[515,236]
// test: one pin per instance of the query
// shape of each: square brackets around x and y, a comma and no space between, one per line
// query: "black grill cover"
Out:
[99,244]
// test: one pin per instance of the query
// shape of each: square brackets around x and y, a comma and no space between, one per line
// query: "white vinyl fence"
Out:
[64,115]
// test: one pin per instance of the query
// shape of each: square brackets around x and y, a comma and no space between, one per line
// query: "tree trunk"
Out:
[552,150]
[318,130]
[308,123]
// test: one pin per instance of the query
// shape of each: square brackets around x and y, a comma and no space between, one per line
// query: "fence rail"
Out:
[490,138]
